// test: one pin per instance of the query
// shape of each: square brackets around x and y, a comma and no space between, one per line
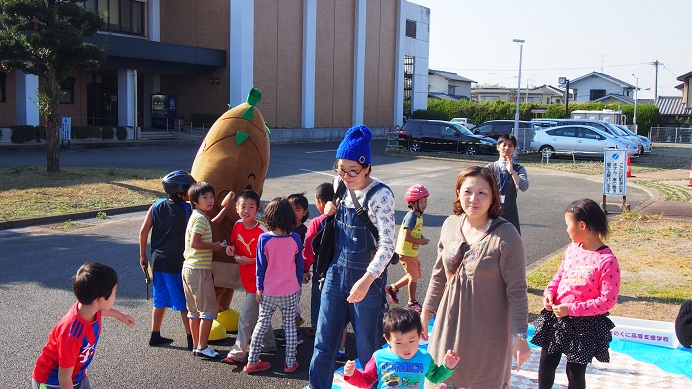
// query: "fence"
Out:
[670,134]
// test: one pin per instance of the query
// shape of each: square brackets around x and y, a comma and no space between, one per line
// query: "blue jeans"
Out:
[335,313]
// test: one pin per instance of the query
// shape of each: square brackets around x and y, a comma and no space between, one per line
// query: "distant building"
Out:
[443,84]
[595,86]
[544,94]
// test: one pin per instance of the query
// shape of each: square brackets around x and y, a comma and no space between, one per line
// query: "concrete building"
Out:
[318,63]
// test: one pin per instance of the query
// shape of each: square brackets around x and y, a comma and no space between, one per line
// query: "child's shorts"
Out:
[169,291]
[199,294]
[411,267]
[83,384]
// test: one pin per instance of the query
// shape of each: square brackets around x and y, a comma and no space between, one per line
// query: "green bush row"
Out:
[26,133]
[647,114]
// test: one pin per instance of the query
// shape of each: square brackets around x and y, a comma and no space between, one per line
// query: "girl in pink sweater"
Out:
[576,302]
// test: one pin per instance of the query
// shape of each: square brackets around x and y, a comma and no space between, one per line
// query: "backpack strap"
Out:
[363,213]
[488,232]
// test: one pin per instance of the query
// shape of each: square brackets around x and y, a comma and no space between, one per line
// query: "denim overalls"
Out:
[353,244]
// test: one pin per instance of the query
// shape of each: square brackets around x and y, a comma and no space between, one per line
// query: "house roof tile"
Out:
[449,75]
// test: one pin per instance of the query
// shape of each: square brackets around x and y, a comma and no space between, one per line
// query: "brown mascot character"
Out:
[233,157]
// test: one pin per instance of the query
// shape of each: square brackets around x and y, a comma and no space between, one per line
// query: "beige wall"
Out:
[334,63]
[278,60]
[204,24]
[380,63]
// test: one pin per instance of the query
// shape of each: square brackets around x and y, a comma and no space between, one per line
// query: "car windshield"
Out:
[462,129]
[617,130]
[627,130]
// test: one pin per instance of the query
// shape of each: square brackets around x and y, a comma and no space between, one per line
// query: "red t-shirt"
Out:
[245,241]
[71,343]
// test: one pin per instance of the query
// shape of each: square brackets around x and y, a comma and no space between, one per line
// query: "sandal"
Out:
[415,305]
[260,366]
[232,361]
[292,369]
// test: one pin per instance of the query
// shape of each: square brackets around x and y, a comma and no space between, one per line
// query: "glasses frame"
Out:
[351,173]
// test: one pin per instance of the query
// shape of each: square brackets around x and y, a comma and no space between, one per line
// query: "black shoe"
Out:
[159,340]
[190,344]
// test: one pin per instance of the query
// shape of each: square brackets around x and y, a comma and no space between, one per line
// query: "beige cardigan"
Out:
[481,306]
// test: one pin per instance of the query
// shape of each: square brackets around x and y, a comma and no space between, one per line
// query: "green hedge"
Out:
[121,132]
[86,132]
[25,133]
[647,114]
[107,133]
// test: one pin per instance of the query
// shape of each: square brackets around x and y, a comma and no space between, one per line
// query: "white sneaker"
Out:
[206,352]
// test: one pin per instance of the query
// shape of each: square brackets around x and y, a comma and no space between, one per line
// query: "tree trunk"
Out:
[52,96]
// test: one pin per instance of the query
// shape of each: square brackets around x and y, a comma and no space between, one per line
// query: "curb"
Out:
[36,221]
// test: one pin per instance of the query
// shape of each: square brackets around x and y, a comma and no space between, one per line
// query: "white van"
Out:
[464,122]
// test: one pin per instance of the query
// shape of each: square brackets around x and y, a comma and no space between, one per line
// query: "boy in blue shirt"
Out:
[402,364]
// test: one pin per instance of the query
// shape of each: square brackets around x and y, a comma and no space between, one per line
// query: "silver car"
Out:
[646,142]
[578,139]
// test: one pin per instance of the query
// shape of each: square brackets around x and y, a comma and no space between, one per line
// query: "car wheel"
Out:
[414,146]
[547,151]
[471,150]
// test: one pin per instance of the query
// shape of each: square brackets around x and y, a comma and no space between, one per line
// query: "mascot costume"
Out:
[233,157]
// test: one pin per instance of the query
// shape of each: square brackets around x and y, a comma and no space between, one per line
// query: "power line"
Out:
[547,69]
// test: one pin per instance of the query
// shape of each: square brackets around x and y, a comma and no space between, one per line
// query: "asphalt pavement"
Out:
[38,261]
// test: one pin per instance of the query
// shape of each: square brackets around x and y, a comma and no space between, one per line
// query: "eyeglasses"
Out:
[351,173]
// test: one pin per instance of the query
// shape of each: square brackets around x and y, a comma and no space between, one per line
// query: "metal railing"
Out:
[670,134]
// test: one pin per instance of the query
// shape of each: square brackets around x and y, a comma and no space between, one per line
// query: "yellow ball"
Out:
[229,319]
[218,331]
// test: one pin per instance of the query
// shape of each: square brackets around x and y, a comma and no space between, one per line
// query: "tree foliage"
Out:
[45,38]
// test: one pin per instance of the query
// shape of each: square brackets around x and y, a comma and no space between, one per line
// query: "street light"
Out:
[516,114]
[636,88]
[565,80]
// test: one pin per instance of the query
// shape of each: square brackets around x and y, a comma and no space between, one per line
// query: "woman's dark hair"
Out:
[507,138]
[197,190]
[325,192]
[94,280]
[399,319]
[488,175]
[589,212]
[279,214]
[299,199]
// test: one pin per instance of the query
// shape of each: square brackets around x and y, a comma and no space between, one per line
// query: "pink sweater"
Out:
[589,281]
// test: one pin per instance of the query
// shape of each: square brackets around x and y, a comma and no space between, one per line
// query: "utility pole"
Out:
[656,63]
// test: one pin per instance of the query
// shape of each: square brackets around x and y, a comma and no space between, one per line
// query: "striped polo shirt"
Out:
[194,258]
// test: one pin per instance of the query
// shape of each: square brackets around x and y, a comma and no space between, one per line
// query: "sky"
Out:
[563,38]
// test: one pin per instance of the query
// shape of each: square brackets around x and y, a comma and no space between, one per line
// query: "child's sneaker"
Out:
[391,292]
[206,352]
[232,361]
[190,344]
[157,340]
[341,354]
[291,369]
[415,305]
[312,331]
[280,335]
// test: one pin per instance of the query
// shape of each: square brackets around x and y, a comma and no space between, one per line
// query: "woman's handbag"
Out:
[323,243]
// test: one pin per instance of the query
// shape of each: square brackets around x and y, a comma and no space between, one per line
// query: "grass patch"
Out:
[31,192]
[655,262]
[670,190]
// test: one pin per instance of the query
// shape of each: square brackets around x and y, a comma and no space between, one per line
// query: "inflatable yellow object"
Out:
[234,156]
[218,331]
[229,319]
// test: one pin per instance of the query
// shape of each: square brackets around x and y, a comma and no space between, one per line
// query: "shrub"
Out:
[107,133]
[86,132]
[25,133]
[121,132]
[430,114]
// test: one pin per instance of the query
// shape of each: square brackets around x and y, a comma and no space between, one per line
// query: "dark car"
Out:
[495,128]
[438,135]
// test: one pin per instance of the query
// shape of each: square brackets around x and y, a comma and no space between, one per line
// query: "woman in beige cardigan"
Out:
[478,287]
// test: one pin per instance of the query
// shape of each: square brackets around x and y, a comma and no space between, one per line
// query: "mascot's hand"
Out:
[229,197]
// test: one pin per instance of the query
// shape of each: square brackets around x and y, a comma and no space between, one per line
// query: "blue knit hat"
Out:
[356,145]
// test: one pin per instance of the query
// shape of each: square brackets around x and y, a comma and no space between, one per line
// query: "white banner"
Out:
[615,172]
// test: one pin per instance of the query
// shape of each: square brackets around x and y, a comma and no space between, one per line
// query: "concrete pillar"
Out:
[309,55]
[359,63]
[241,53]
[126,97]
[27,99]
[399,65]
[155,20]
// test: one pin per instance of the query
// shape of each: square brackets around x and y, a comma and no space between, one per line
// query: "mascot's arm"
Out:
[224,211]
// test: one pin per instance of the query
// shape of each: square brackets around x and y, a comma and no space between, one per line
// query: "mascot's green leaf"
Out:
[241,137]
[230,107]
[269,130]
[254,96]
[249,113]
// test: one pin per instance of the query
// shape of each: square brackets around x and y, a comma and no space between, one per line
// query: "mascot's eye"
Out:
[241,137]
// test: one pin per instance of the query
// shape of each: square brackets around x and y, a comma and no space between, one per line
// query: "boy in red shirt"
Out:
[72,342]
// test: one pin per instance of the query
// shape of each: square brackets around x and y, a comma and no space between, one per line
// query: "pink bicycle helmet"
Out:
[416,192]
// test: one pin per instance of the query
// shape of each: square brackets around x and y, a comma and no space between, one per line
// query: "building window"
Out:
[411,28]
[67,88]
[595,94]
[451,90]
[408,77]
[124,16]
[3,89]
